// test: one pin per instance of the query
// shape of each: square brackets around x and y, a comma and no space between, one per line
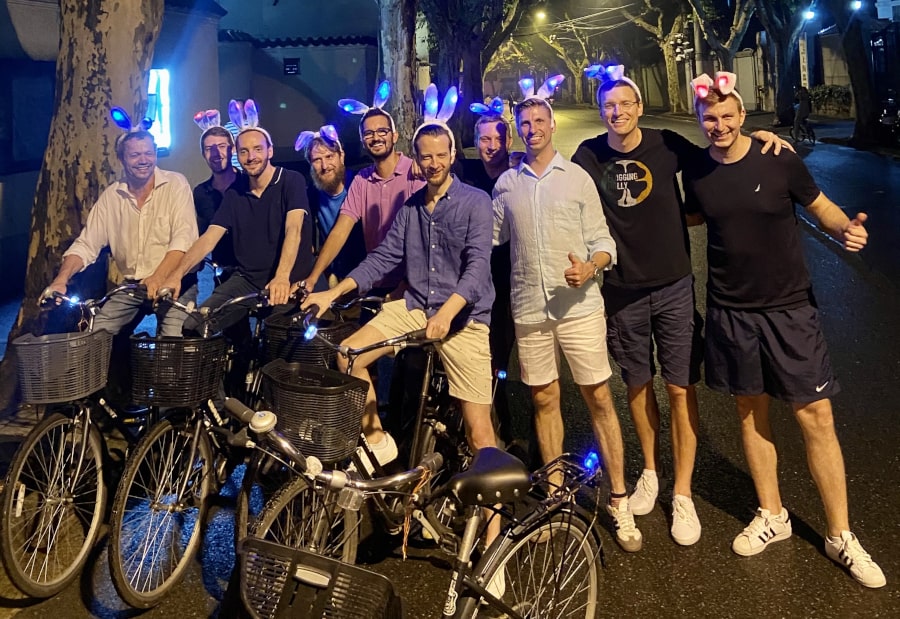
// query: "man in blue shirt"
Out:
[442,238]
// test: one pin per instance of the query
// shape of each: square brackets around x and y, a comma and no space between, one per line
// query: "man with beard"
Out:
[265,215]
[763,334]
[217,146]
[147,220]
[550,212]
[331,180]
[374,197]
[440,240]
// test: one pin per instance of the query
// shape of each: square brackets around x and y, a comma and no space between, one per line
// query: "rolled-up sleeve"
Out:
[593,223]
[95,234]
[183,216]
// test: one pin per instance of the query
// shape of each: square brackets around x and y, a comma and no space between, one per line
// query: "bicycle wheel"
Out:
[299,516]
[810,135]
[53,505]
[551,570]
[158,513]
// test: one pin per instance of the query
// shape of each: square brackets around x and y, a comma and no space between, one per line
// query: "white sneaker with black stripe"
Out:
[848,552]
[764,529]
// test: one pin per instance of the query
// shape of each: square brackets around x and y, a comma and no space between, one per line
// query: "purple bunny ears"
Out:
[382,94]
[610,73]
[495,107]
[246,117]
[433,116]
[327,134]
[123,121]
[207,119]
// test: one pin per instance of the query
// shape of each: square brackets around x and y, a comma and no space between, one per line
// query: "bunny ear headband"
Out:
[328,134]
[494,108]
[434,117]
[206,120]
[382,93]
[724,84]
[246,116]
[609,75]
[123,121]
[526,85]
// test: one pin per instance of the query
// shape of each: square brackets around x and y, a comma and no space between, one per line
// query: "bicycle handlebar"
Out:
[89,304]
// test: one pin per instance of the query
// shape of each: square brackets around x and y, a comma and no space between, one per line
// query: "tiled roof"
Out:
[240,36]
[208,6]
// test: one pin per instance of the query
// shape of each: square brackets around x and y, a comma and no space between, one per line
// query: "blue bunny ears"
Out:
[608,74]
[526,85]
[327,134]
[382,94]
[433,116]
[123,121]
[494,108]
[246,117]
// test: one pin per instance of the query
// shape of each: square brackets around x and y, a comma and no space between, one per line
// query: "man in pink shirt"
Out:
[375,195]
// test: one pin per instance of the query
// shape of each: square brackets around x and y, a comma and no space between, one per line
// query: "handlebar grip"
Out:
[165,293]
[418,334]
[239,410]
[433,462]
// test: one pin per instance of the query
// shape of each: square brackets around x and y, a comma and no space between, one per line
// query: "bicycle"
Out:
[548,556]
[55,494]
[803,133]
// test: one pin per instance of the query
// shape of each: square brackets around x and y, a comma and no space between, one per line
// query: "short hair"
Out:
[531,102]
[490,119]
[434,130]
[124,138]
[376,111]
[219,131]
[258,130]
[334,147]
[605,87]
[713,97]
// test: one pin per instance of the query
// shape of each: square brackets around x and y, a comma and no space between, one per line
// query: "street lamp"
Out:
[809,14]
[856,5]
[540,15]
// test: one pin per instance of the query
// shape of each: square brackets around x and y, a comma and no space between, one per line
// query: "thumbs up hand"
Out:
[579,272]
[855,234]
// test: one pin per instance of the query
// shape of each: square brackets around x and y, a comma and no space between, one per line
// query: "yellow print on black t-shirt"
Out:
[629,180]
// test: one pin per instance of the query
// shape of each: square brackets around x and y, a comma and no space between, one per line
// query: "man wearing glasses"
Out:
[374,197]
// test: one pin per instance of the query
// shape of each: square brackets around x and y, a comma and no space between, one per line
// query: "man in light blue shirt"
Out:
[550,211]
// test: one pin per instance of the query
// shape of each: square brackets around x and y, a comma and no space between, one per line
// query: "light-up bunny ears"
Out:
[610,74]
[382,94]
[123,121]
[495,107]
[246,117]
[207,119]
[440,118]
[724,83]
[328,134]
[526,85]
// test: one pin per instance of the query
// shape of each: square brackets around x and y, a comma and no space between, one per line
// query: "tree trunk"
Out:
[856,50]
[673,84]
[472,87]
[106,47]
[398,25]
[784,43]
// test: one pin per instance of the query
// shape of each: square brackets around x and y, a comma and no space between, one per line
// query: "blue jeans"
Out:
[122,309]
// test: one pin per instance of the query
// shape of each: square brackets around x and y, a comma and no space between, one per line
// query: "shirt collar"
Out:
[558,162]
[401,169]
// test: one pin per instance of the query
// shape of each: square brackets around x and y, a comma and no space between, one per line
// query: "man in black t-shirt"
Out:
[649,292]
[216,145]
[763,337]
[265,214]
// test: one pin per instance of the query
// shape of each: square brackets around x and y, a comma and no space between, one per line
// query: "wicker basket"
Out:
[284,340]
[282,582]
[176,371]
[62,367]
[319,410]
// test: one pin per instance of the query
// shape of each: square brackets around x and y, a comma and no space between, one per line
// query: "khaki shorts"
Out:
[466,353]
[582,340]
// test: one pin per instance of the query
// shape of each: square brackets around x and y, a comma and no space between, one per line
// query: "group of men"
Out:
[527,245]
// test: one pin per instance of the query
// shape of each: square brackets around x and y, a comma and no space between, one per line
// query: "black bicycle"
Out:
[803,133]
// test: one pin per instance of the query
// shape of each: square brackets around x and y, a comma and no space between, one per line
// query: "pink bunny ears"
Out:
[246,117]
[724,84]
[609,75]
[207,119]
[440,118]
[328,134]
[494,108]
[382,94]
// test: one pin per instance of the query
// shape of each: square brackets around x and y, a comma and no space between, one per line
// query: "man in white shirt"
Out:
[147,220]
[550,211]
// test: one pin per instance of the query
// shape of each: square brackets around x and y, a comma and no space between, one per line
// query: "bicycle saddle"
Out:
[494,477]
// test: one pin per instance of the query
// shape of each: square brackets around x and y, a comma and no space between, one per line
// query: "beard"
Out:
[332,184]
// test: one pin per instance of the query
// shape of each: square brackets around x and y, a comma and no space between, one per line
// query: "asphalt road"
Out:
[859,302]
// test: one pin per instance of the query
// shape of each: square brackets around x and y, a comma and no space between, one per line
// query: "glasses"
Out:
[623,105]
[381,132]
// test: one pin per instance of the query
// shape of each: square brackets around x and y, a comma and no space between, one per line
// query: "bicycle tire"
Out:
[561,588]
[47,530]
[154,533]
[295,513]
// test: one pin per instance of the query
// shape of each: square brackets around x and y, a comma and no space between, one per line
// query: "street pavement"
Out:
[859,302]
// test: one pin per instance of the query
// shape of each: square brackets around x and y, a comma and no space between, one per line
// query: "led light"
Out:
[501,374]
[74,300]
[120,117]
[528,82]
[809,14]
[702,91]
[592,461]
[856,5]
[219,271]
[723,81]
[310,333]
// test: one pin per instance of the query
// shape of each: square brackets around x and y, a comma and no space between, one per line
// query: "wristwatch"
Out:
[598,271]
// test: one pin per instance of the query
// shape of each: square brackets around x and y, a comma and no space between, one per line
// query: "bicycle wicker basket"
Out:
[319,410]
[282,582]
[284,340]
[176,371]
[63,366]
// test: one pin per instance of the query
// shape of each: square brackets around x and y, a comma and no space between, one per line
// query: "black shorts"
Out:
[665,315]
[781,353]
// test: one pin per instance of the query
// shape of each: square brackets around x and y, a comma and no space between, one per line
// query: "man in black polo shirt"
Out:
[265,213]
[763,336]
[217,146]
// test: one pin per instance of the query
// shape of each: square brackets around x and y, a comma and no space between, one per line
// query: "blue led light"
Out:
[310,332]
[74,300]
[348,107]
[219,271]
[501,374]
[384,90]
[592,461]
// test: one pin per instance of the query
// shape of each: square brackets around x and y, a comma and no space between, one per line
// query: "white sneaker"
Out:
[848,552]
[627,534]
[645,492]
[385,452]
[764,529]
[685,524]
